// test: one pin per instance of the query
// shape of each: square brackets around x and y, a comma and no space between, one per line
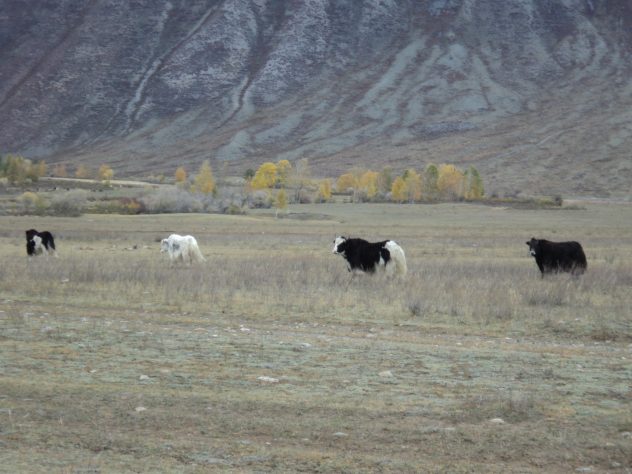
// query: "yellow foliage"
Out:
[324,190]
[281,199]
[42,168]
[368,183]
[450,181]
[60,170]
[18,169]
[265,177]
[35,171]
[105,173]
[180,175]
[204,182]
[82,172]
[414,186]
[345,182]
[399,190]
[29,198]
[32,201]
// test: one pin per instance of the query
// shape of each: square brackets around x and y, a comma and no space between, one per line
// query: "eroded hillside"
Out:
[535,93]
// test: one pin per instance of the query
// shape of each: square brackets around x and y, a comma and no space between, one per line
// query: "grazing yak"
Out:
[554,257]
[38,243]
[367,257]
[182,247]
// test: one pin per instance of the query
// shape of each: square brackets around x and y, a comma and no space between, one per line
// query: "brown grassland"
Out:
[111,360]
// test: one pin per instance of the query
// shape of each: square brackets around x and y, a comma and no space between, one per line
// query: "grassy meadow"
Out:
[268,357]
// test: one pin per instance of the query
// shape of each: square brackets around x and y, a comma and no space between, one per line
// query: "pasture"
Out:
[267,358]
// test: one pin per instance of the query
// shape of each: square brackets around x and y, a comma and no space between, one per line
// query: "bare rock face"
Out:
[535,93]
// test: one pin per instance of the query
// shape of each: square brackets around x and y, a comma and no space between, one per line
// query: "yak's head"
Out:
[164,245]
[340,245]
[534,247]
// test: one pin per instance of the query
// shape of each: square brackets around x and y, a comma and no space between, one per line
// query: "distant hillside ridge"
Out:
[536,94]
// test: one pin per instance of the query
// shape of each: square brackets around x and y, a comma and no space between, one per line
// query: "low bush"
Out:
[32,203]
[120,206]
[171,200]
[70,203]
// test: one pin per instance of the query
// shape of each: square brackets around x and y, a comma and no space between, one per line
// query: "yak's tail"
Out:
[398,256]
[52,250]
[196,255]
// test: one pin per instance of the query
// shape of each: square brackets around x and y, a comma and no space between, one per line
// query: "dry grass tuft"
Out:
[510,408]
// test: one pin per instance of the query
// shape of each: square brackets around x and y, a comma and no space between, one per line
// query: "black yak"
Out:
[554,257]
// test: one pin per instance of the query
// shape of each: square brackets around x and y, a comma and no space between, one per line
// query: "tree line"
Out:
[19,170]
[443,182]
[277,184]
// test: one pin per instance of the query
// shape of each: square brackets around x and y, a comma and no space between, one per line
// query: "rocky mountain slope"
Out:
[536,93]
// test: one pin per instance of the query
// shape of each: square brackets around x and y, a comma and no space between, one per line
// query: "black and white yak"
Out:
[368,257]
[39,242]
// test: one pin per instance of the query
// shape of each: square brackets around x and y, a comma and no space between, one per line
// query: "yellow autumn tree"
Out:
[34,171]
[14,168]
[180,175]
[450,181]
[280,202]
[265,177]
[346,182]
[324,190]
[42,168]
[283,172]
[414,185]
[105,173]
[204,182]
[82,172]
[399,190]
[368,183]
[60,170]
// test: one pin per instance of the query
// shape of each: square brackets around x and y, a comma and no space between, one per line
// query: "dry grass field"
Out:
[268,358]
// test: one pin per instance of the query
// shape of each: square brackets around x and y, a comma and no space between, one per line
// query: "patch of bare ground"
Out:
[266,357]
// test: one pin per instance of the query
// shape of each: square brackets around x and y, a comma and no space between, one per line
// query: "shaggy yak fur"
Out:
[182,248]
[367,257]
[554,257]
[39,242]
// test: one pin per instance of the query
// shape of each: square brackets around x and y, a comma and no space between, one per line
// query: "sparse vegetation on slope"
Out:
[534,93]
